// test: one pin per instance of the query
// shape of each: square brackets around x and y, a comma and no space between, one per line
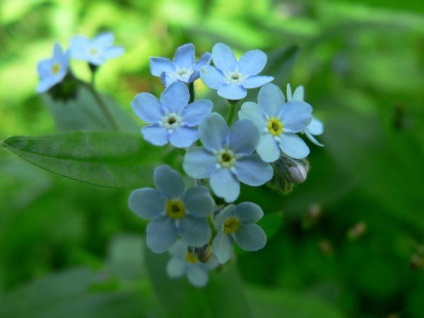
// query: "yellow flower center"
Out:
[275,127]
[226,158]
[93,51]
[56,68]
[191,258]
[175,209]
[231,225]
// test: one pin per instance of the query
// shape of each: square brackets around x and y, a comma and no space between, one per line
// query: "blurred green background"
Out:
[351,240]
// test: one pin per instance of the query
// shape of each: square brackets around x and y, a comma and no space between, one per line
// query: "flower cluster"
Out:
[52,71]
[200,224]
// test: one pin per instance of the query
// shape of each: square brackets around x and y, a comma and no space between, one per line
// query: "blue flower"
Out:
[182,68]
[232,78]
[52,71]
[227,157]
[278,122]
[236,223]
[184,261]
[171,119]
[95,51]
[315,127]
[174,212]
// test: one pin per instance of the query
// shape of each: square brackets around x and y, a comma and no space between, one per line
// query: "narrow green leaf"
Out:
[222,297]
[118,160]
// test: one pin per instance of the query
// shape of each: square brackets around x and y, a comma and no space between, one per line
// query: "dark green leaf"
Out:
[119,160]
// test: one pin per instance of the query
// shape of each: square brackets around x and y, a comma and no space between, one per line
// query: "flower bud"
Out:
[296,173]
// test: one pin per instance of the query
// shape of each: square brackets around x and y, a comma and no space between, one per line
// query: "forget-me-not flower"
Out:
[315,127]
[232,78]
[96,51]
[237,223]
[182,68]
[171,119]
[52,71]
[227,157]
[184,261]
[174,212]
[278,122]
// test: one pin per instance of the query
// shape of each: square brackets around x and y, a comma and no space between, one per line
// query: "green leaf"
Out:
[118,160]
[222,297]
[271,223]
[89,111]
[279,303]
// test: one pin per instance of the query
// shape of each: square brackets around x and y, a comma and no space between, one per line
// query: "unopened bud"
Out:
[203,253]
[296,172]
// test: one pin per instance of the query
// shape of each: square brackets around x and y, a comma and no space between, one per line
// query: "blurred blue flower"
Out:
[315,127]
[95,51]
[184,261]
[236,223]
[171,119]
[174,212]
[52,71]
[278,122]
[232,78]
[182,68]
[227,157]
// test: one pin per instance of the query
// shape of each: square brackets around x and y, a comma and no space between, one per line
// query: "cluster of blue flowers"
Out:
[96,52]
[220,153]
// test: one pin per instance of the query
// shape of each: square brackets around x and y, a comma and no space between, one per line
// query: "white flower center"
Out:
[183,74]
[172,121]
[226,158]
[235,77]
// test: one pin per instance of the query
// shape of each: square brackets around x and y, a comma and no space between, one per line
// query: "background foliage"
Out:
[347,243]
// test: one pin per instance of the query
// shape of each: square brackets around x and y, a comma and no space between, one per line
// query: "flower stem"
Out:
[212,226]
[191,91]
[102,104]
[232,112]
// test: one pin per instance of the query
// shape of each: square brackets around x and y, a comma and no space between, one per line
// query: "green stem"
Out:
[232,112]
[212,226]
[102,104]
[191,91]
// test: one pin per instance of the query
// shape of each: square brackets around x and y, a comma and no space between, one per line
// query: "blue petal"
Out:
[175,97]
[248,212]
[46,84]
[147,203]
[312,138]
[114,52]
[103,40]
[223,57]
[179,249]
[183,137]
[298,93]
[315,127]
[225,185]
[213,131]
[293,146]
[197,276]
[296,116]
[271,99]
[256,81]
[211,76]
[223,215]
[161,234]
[147,107]
[196,111]
[176,267]
[222,247]
[232,91]
[253,112]
[268,148]
[252,171]
[289,92]
[244,137]
[184,56]
[252,62]
[194,231]
[204,60]
[44,68]
[168,181]
[250,237]
[156,135]
[199,163]
[159,65]
[198,201]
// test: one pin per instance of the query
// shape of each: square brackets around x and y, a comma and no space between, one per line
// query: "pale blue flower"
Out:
[236,223]
[174,212]
[232,78]
[315,127]
[182,68]
[171,119]
[227,157]
[184,261]
[52,71]
[278,123]
[96,51]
